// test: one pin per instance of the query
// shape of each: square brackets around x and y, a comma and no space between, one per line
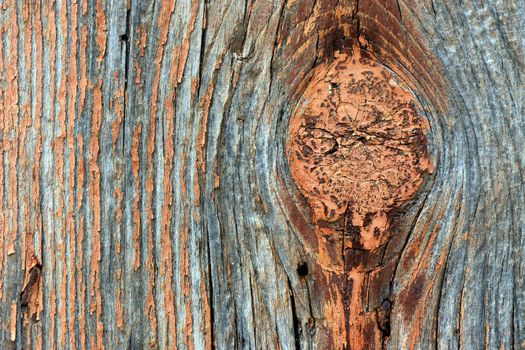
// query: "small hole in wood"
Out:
[302,270]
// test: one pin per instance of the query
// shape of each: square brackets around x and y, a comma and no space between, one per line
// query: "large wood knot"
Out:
[357,146]
[358,153]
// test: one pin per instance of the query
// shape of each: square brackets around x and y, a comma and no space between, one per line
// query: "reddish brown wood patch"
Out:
[357,151]
[357,142]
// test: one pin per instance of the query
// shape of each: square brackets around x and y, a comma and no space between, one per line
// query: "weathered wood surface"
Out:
[146,198]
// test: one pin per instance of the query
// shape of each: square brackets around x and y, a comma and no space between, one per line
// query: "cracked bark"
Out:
[148,198]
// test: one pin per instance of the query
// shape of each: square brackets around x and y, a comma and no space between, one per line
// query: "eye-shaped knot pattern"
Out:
[357,143]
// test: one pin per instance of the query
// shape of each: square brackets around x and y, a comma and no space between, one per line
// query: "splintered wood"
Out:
[357,150]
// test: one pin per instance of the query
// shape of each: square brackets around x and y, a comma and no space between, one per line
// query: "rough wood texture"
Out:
[147,201]
[358,152]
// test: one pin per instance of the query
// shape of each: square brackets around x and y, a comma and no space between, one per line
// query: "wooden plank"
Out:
[147,200]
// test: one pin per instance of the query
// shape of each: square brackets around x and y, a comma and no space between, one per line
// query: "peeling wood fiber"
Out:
[148,199]
[357,151]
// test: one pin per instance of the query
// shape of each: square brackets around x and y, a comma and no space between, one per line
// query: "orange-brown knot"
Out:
[357,147]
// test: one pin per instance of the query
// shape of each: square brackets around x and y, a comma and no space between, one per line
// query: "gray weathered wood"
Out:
[146,199]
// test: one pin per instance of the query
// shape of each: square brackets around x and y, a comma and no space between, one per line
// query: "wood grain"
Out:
[147,201]
[358,153]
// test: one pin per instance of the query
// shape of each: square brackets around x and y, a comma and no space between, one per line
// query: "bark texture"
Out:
[147,200]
